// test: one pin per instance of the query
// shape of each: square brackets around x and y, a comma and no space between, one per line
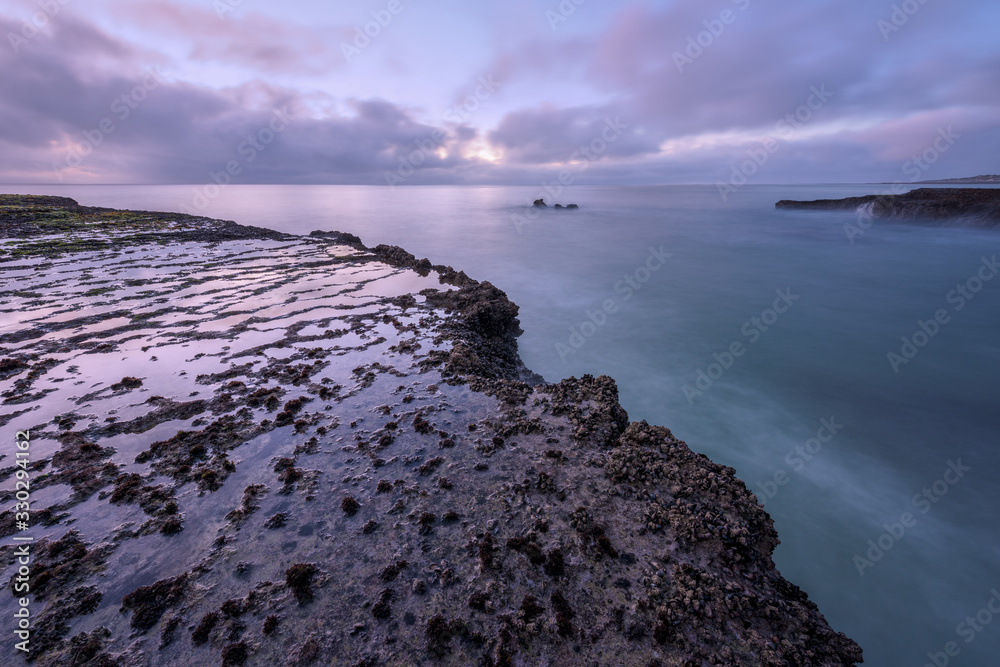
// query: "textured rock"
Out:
[972,206]
[302,449]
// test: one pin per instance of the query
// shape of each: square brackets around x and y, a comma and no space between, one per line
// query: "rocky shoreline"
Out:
[256,448]
[987,179]
[971,206]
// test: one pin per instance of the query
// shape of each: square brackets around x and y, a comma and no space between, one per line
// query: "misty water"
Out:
[654,285]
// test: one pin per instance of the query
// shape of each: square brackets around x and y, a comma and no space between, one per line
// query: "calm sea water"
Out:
[659,286]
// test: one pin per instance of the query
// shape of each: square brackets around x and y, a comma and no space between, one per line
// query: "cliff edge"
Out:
[256,448]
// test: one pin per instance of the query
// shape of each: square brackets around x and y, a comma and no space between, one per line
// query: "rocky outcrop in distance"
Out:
[540,203]
[987,179]
[969,206]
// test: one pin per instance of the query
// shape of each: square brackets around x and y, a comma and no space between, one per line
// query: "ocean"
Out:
[848,370]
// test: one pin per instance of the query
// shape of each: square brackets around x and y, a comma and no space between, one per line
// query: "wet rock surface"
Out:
[971,206]
[255,448]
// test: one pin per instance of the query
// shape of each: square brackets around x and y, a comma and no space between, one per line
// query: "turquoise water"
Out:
[656,286]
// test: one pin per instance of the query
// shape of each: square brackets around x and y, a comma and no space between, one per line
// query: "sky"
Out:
[411,92]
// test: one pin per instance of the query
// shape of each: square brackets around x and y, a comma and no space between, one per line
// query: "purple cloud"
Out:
[654,94]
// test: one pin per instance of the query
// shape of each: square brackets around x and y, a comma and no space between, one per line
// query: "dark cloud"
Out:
[55,113]
[672,119]
[754,66]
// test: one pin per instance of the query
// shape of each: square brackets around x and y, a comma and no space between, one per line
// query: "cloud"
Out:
[55,122]
[685,73]
[551,134]
[222,78]
[252,40]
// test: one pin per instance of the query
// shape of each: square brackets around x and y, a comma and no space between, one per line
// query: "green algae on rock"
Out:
[254,447]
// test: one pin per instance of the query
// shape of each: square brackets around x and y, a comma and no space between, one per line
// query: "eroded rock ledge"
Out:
[971,206]
[256,448]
